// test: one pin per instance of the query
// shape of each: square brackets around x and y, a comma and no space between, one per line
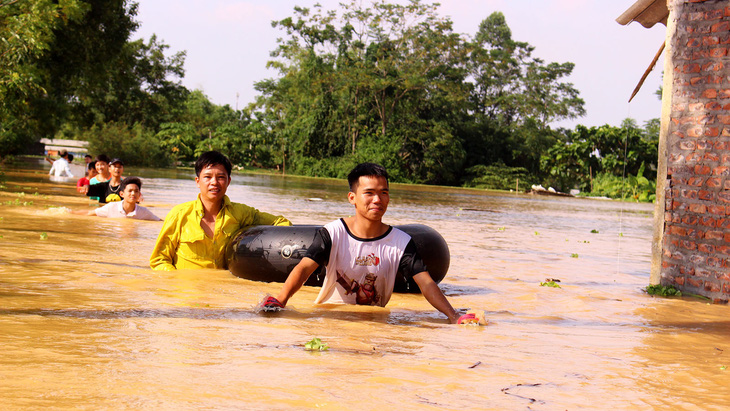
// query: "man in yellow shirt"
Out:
[195,234]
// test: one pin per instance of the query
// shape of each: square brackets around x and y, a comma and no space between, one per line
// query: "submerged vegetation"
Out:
[663,290]
[383,82]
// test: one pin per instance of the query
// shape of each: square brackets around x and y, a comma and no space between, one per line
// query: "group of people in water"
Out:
[104,183]
[361,254]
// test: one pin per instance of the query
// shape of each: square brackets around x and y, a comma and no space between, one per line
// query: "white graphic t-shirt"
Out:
[361,271]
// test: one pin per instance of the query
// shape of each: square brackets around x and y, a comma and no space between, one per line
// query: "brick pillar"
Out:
[696,236]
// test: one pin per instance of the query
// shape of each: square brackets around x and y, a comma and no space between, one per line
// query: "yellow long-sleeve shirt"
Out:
[182,243]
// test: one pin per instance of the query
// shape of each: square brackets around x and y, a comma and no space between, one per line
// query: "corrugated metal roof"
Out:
[646,12]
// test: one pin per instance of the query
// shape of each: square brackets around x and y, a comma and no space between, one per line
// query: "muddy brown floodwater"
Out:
[85,324]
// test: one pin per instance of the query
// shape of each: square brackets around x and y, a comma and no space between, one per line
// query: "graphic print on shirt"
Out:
[366,293]
[369,260]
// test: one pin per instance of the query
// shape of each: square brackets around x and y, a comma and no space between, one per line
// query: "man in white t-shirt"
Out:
[60,167]
[130,190]
[362,255]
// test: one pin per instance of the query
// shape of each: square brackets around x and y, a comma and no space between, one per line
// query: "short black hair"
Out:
[365,170]
[70,157]
[130,180]
[212,158]
[92,165]
[103,158]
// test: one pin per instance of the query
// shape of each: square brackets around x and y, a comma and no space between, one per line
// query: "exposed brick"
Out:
[690,219]
[679,280]
[706,195]
[694,282]
[717,52]
[696,107]
[713,262]
[712,131]
[689,194]
[695,132]
[693,68]
[724,93]
[687,270]
[721,26]
[693,157]
[704,144]
[710,40]
[716,209]
[698,208]
[714,235]
[703,169]
[712,14]
[706,248]
[712,286]
[688,245]
[707,222]
[720,170]
[696,181]
[687,145]
[697,55]
[714,79]
[713,182]
[713,65]
[709,93]
[714,105]
[696,259]
[677,230]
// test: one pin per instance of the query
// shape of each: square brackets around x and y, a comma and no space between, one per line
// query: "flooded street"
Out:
[85,324]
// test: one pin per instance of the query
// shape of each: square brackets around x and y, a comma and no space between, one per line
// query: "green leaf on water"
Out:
[574,255]
[663,291]
[316,345]
[552,284]
[594,231]
[722,367]
[44,236]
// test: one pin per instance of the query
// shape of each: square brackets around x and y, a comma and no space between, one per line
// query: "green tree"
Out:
[588,152]
[386,76]
[515,97]
[27,31]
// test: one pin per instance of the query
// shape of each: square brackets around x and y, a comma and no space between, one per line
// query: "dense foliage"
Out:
[370,81]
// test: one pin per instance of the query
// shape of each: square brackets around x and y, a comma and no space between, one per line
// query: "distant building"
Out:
[75,147]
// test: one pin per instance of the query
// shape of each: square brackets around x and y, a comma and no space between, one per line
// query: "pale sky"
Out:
[228,43]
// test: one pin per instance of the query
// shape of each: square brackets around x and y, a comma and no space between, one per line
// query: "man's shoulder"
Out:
[182,209]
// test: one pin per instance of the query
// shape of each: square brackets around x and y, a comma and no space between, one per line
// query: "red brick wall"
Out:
[696,243]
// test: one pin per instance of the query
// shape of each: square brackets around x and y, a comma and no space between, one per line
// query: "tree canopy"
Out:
[368,81]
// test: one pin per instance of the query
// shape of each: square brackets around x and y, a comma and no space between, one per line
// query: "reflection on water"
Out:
[85,323]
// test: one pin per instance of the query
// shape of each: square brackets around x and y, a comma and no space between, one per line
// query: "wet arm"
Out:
[296,279]
[434,296]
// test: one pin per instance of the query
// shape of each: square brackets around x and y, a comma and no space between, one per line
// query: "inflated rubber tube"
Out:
[269,253]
